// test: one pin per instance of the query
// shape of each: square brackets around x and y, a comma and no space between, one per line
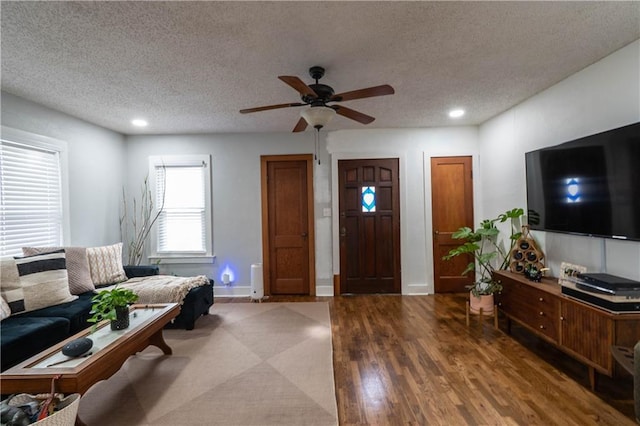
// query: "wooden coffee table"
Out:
[110,350]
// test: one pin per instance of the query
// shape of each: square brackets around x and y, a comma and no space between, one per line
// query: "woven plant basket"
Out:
[67,409]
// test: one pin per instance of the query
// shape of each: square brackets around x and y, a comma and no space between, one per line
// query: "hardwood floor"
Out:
[411,360]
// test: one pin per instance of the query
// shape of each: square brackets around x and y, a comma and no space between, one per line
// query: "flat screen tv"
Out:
[588,186]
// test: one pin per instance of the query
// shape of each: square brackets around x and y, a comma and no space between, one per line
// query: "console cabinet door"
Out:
[531,307]
[588,334]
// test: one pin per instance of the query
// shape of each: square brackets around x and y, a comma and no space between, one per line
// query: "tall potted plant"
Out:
[489,253]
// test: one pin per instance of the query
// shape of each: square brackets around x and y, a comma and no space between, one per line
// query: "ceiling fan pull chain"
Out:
[317,136]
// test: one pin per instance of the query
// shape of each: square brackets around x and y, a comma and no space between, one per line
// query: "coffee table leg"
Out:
[157,339]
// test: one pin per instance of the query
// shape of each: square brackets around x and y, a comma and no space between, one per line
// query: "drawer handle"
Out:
[541,314]
[561,318]
[541,299]
[499,303]
[542,327]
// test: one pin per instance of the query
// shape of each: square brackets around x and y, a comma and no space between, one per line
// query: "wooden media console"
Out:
[584,332]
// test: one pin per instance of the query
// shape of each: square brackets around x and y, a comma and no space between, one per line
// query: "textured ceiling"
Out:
[189,67]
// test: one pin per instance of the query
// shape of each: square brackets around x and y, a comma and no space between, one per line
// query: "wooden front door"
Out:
[452,208]
[288,225]
[369,226]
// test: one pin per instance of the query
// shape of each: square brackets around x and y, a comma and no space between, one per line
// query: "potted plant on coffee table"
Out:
[112,305]
[489,253]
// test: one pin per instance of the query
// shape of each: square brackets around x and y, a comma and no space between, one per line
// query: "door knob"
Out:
[343,232]
[304,235]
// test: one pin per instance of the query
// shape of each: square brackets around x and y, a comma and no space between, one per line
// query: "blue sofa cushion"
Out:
[24,336]
[134,271]
[77,312]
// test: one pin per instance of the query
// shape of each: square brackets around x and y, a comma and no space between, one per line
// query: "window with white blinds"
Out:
[182,191]
[31,208]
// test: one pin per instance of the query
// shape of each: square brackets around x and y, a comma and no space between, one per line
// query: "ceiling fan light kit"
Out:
[318,116]
[317,96]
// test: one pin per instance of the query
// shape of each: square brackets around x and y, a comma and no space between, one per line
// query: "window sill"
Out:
[174,259]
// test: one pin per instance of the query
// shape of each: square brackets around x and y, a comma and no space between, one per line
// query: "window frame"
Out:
[46,143]
[184,161]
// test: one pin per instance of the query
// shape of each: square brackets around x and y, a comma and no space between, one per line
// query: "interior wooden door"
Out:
[452,208]
[288,255]
[369,226]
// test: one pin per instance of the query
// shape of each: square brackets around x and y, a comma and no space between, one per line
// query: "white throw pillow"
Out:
[10,287]
[5,311]
[105,264]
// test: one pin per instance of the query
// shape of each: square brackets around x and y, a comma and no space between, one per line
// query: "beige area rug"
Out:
[244,364]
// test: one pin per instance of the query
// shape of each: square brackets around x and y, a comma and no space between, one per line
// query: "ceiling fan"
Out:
[318,95]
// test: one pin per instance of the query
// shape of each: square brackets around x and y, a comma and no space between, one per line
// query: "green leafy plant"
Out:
[488,251]
[104,303]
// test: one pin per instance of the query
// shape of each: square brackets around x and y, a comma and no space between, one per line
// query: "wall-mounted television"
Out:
[588,186]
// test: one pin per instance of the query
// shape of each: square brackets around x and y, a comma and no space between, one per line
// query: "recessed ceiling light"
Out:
[456,113]
[138,122]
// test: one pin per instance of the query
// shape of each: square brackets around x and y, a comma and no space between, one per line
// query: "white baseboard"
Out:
[419,289]
[321,291]
[245,291]
[231,291]
[324,290]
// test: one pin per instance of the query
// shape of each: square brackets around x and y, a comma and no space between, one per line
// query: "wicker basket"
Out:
[66,409]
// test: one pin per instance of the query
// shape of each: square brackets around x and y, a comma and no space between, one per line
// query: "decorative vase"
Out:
[485,302]
[122,318]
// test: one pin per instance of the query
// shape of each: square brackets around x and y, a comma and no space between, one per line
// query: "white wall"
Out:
[236,201]
[414,148]
[237,227]
[603,96]
[95,167]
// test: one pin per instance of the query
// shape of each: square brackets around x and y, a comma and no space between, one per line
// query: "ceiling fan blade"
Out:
[369,92]
[353,114]
[265,108]
[300,126]
[299,85]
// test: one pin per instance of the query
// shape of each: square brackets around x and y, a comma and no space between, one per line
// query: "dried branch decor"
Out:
[143,217]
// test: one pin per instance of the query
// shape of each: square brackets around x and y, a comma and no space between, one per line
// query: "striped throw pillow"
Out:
[77,266]
[44,281]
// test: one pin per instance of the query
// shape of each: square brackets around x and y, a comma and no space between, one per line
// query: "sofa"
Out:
[43,303]
[24,335]
[195,304]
